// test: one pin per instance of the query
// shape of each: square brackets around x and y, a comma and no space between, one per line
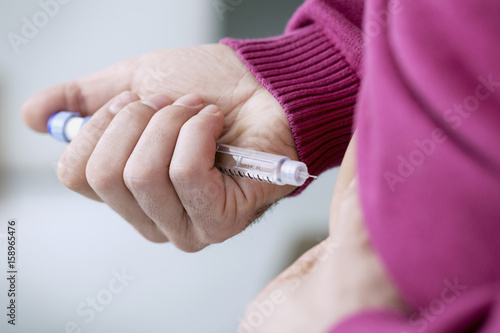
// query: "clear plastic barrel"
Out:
[269,168]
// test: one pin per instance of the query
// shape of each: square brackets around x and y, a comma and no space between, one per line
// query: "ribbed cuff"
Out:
[310,78]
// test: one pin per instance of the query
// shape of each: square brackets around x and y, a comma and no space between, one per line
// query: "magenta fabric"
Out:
[311,71]
[423,78]
[429,163]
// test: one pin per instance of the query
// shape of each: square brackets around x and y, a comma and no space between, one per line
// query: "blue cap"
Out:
[57,123]
[85,121]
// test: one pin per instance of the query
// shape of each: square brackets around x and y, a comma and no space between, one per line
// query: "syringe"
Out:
[234,161]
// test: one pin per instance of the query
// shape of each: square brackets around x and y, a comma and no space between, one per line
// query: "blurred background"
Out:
[70,248]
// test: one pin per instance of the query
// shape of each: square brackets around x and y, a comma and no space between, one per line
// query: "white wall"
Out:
[84,36]
[69,247]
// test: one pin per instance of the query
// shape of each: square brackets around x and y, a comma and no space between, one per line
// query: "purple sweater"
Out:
[423,81]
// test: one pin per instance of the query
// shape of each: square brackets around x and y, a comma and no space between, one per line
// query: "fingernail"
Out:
[121,101]
[189,100]
[157,102]
[211,109]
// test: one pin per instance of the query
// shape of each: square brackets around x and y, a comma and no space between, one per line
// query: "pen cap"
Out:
[294,173]
[64,126]
[57,124]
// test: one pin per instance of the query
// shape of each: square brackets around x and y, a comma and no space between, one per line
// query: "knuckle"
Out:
[138,177]
[153,236]
[100,177]
[148,229]
[183,174]
[187,246]
[69,177]
[215,235]
[137,111]
[186,237]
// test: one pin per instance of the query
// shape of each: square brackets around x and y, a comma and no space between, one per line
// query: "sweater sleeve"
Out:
[454,311]
[314,71]
[428,163]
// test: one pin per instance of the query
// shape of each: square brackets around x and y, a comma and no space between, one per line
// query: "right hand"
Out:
[252,119]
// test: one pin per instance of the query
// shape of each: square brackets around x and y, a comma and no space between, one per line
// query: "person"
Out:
[414,222]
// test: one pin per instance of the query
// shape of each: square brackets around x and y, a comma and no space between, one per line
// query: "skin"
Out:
[334,280]
[168,192]
[151,160]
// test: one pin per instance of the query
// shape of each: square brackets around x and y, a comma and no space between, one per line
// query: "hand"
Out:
[252,119]
[337,278]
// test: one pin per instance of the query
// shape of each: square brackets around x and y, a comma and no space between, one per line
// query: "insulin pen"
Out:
[234,161]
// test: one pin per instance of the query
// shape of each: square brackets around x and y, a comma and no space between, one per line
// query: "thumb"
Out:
[85,95]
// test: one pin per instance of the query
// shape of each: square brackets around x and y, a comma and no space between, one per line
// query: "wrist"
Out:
[314,85]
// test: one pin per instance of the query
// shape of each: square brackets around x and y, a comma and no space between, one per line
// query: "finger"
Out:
[85,95]
[105,168]
[199,185]
[146,173]
[72,165]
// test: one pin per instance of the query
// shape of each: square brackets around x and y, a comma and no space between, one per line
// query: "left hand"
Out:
[337,278]
[188,201]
